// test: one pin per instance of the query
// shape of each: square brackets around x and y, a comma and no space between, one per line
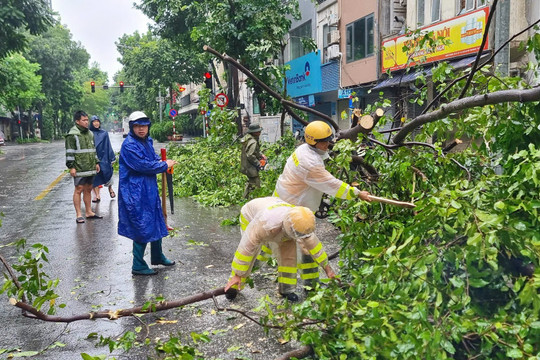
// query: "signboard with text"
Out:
[465,33]
[304,76]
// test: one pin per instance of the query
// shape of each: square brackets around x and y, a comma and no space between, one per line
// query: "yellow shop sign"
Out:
[465,33]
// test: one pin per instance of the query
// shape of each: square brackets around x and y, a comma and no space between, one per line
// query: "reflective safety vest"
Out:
[81,152]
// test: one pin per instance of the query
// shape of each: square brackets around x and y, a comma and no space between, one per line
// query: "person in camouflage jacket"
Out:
[251,157]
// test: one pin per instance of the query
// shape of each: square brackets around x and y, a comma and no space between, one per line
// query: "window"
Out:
[420,7]
[256,108]
[435,10]
[468,5]
[360,38]
[301,32]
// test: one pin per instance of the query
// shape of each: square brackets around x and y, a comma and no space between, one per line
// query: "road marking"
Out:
[50,187]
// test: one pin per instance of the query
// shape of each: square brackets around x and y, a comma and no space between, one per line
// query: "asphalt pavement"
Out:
[93,264]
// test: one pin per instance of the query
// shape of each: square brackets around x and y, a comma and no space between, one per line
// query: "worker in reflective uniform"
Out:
[305,179]
[275,221]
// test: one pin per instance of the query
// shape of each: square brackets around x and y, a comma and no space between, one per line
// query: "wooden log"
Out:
[361,124]
[367,122]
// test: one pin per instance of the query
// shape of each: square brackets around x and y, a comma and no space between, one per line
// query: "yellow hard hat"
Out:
[317,131]
[300,222]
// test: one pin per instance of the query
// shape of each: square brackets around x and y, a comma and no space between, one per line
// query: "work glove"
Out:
[363,195]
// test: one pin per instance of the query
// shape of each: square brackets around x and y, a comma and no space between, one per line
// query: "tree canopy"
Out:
[19,19]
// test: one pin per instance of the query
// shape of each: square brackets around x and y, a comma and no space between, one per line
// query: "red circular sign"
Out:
[221,100]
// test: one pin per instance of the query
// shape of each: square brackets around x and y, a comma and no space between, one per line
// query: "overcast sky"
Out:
[97,24]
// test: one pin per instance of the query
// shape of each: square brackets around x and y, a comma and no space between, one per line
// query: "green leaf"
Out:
[455,204]
[449,229]
[474,240]
[514,353]
[447,345]
[535,325]
[24,354]
[373,251]
[478,283]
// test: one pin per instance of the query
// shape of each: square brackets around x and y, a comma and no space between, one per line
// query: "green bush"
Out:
[159,131]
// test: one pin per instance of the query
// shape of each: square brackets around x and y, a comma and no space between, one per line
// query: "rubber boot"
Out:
[292,297]
[140,267]
[156,255]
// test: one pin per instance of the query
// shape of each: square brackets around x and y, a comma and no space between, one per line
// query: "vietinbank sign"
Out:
[304,76]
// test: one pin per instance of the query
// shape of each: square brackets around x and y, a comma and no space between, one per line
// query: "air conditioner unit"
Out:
[332,52]
[332,37]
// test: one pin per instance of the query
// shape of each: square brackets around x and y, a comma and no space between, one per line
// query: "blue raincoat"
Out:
[140,216]
[105,153]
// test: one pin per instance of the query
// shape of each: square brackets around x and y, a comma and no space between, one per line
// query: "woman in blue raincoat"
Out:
[140,216]
[107,158]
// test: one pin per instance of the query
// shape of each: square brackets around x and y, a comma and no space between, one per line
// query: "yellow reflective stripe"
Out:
[285,280]
[321,258]
[266,250]
[243,222]
[287,269]
[279,205]
[342,190]
[309,276]
[295,159]
[350,194]
[262,258]
[275,194]
[243,257]
[310,265]
[316,249]
[239,267]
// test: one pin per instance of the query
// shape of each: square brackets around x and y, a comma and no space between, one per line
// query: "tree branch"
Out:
[439,95]
[365,124]
[503,96]
[300,353]
[288,105]
[116,314]
[12,275]
[484,39]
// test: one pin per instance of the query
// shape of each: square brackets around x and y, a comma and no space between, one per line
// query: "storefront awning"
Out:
[406,78]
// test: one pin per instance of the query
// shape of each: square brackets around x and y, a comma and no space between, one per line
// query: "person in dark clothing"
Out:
[140,216]
[106,155]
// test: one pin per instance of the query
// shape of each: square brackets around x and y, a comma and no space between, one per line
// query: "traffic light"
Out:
[93,86]
[121,86]
[208,81]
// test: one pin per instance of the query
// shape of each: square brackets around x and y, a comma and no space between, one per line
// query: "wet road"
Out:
[94,263]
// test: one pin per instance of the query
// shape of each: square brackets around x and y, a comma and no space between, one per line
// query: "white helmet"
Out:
[137,115]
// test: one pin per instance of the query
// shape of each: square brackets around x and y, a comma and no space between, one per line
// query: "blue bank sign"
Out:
[304,77]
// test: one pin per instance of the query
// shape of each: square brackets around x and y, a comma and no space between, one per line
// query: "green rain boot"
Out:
[156,255]
[140,267]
